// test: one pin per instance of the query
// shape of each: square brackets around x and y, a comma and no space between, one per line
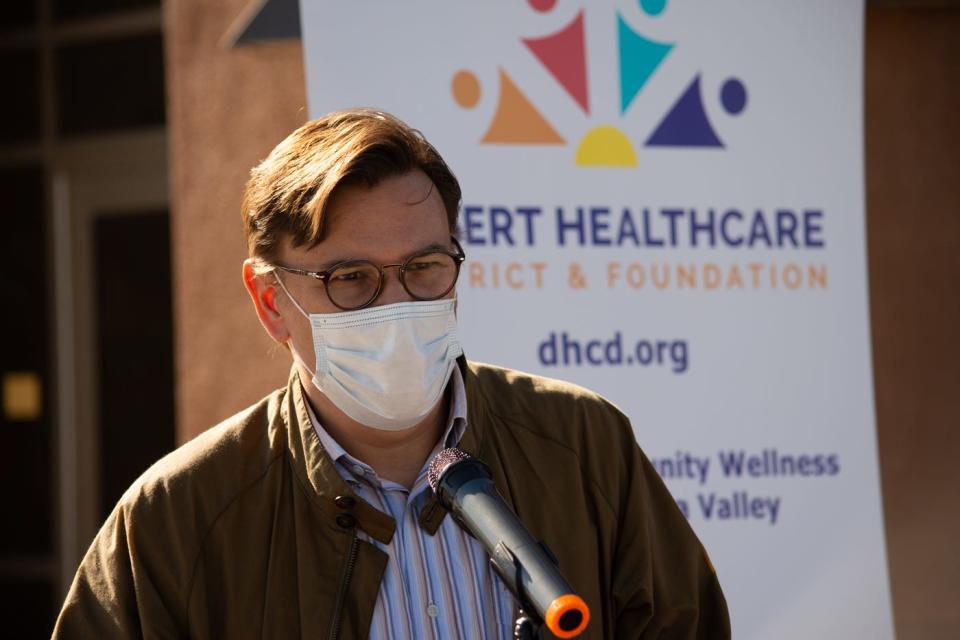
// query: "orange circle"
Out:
[572,604]
[466,89]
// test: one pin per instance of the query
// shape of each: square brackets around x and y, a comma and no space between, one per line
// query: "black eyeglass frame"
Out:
[323,276]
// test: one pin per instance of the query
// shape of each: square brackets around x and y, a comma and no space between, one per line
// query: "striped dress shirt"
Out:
[439,586]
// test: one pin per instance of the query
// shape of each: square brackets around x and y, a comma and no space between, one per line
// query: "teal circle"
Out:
[653,7]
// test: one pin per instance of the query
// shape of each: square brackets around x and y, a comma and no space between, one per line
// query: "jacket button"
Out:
[346,521]
[344,502]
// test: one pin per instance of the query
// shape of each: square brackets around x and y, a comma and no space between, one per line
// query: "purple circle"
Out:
[733,95]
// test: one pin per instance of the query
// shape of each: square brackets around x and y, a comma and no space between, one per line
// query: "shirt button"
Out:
[357,469]
[433,610]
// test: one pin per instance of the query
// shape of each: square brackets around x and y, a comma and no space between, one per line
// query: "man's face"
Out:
[384,224]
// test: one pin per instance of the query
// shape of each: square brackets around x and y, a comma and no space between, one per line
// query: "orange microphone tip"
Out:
[567,616]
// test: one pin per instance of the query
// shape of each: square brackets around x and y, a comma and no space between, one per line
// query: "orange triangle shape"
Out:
[517,121]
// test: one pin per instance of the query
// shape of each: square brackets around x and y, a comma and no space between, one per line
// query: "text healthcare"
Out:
[604,226]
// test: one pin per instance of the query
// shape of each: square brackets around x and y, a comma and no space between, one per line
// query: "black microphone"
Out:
[464,486]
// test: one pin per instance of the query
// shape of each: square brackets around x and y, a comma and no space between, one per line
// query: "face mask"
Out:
[386,366]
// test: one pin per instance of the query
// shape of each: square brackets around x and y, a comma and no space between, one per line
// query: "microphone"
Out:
[465,487]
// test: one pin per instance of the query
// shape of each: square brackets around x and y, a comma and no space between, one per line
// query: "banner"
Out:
[663,202]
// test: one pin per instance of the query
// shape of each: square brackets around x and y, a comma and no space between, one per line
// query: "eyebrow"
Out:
[434,246]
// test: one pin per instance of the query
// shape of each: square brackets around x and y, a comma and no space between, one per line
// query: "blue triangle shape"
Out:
[686,124]
[639,58]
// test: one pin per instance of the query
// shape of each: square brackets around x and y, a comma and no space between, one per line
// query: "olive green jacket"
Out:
[244,533]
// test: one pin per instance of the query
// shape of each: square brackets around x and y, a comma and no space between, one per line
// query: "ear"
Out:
[264,297]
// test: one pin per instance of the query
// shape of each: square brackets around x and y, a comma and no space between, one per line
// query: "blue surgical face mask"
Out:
[385,367]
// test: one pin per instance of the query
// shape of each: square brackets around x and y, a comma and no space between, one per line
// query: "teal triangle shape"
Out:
[639,58]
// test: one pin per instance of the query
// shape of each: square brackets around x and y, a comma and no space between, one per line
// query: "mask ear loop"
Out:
[292,299]
[319,354]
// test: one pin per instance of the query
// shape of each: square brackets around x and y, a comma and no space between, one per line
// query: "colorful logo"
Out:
[563,55]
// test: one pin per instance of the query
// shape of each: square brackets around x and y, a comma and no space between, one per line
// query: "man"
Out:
[308,514]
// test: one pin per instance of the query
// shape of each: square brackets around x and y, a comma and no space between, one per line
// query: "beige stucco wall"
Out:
[228,107]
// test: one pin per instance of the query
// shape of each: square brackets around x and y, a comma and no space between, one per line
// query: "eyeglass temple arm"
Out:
[319,275]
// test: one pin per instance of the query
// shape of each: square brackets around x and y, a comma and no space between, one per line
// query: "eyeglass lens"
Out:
[425,276]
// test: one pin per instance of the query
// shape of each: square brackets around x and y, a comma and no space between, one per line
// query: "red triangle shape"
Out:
[564,54]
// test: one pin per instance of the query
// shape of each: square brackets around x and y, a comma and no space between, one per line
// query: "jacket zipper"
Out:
[344,584]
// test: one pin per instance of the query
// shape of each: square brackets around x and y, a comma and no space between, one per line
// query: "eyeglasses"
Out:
[354,284]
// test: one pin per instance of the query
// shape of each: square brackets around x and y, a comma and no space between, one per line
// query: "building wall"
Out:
[229,107]
[913,240]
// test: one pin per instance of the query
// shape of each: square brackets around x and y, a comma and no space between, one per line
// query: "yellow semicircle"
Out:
[605,146]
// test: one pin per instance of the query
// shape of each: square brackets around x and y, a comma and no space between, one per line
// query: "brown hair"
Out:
[288,192]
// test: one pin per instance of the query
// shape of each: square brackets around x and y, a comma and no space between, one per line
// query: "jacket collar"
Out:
[316,470]
[471,442]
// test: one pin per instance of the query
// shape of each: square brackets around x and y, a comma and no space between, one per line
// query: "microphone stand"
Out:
[525,627]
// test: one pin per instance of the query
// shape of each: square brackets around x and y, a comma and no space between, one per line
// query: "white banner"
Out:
[663,201]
